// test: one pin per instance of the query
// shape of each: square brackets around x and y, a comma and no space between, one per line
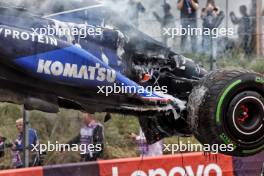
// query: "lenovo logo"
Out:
[201,170]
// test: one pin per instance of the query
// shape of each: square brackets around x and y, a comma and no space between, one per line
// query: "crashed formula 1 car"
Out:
[45,72]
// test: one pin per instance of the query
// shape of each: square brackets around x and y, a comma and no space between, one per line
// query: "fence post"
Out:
[26,137]
[262,170]
[227,15]
[259,27]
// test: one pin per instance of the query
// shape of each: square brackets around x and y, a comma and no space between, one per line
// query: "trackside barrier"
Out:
[189,164]
[179,165]
[248,166]
[76,169]
[36,171]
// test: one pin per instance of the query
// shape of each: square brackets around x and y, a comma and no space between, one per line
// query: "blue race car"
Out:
[58,61]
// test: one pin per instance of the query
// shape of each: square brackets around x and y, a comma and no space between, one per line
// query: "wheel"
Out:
[227,107]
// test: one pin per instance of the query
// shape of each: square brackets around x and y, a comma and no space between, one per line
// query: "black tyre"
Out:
[227,107]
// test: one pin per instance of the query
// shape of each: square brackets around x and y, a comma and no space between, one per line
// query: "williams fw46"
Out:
[118,69]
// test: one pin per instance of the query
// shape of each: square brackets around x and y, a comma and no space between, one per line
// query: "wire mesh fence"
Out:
[158,32]
[240,21]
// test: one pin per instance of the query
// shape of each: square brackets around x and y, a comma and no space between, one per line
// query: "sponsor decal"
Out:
[259,80]
[68,70]
[28,36]
[201,170]
[191,164]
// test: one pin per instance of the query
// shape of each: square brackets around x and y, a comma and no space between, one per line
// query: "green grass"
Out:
[65,125]
[233,61]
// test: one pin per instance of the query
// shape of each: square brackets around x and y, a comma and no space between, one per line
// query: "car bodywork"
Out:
[45,72]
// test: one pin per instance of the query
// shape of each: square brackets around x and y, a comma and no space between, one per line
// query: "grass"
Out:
[233,61]
[65,125]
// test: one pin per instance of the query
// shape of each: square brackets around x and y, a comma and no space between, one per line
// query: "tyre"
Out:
[227,108]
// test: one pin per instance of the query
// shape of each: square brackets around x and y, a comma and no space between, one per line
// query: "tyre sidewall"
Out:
[251,82]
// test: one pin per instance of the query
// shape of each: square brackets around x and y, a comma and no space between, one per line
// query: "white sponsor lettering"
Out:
[24,35]
[44,66]
[114,171]
[28,36]
[83,72]
[56,68]
[202,170]
[72,71]
[139,173]
[7,32]
[16,35]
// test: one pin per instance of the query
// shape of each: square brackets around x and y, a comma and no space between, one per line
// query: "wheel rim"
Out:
[245,118]
[248,115]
